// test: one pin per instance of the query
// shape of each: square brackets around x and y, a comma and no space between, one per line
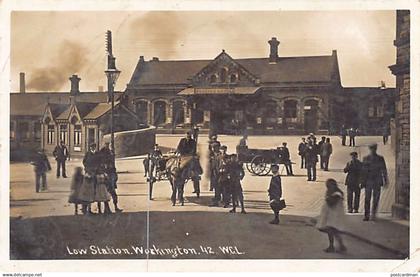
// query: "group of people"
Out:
[351,133]
[226,174]
[98,183]
[309,150]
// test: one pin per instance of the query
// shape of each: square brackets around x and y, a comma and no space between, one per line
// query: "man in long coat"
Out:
[61,154]
[353,169]
[374,176]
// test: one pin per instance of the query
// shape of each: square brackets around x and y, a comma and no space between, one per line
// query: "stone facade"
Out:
[402,116]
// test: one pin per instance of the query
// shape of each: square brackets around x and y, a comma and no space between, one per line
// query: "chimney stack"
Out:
[22,85]
[274,50]
[74,81]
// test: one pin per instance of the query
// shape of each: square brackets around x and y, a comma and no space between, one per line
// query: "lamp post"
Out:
[112,74]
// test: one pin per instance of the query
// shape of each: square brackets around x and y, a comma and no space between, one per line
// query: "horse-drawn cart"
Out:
[259,161]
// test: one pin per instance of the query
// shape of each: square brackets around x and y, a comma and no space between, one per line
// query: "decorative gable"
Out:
[47,117]
[223,71]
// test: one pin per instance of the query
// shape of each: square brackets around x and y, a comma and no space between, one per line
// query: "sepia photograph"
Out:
[209,135]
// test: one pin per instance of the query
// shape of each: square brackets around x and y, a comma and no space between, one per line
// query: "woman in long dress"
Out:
[332,215]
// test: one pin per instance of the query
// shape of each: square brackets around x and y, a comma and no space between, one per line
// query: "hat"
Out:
[274,166]
[373,146]
[284,143]
[353,154]
[156,144]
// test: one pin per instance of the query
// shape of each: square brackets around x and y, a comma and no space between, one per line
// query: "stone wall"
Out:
[402,118]
[133,143]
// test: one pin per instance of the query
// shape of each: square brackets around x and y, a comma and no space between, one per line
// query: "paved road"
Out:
[197,224]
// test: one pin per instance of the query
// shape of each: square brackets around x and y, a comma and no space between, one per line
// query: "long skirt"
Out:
[87,189]
[101,192]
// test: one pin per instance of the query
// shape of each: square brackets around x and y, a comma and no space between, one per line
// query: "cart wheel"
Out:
[259,166]
[249,168]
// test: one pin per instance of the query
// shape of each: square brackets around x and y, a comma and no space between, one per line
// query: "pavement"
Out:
[43,225]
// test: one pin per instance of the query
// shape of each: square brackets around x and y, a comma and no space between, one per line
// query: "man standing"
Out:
[220,174]
[41,166]
[325,153]
[353,169]
[320,151]
[352,136]
[108,160]
[311,160]
[275,193]
[343,134]
[236,173]
[301,152]
[374,176]
[61,154]
[285,157]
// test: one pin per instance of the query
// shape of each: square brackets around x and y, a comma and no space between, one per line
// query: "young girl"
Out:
[332,214]
[76,183]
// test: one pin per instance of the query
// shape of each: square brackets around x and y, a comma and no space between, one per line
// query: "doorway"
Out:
[311,116]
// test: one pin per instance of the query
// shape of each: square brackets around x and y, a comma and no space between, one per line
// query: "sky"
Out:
[51,46]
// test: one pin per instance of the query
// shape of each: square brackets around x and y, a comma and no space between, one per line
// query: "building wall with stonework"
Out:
[402,115]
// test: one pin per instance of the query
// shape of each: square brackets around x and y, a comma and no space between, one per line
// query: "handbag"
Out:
[282,204]
[278,204]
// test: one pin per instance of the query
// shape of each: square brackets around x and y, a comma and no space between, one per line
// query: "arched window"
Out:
[233,78]
[270,111]
[290,109]
[178,112]
[142,109]
[159,113]
[213,78]
[223,74]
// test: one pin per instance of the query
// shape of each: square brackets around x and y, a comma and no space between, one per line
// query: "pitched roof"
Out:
[98,111]
[83,108]
[57,109]
[34,103]
[286,70]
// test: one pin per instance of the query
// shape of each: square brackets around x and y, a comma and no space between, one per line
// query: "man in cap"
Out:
[301,152]
[187,145]
[311,157]
[275,193]
[320,150]
[61,154]
[374,176]
[221,175]
[353,169]
[325,153]
[343,134]
[285,157]
[352,136]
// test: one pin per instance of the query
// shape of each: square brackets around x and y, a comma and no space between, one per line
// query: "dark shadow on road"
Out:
[57,237]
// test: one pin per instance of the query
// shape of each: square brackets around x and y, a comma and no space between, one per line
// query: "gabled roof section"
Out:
[301,69]
[82,110]
[223,57]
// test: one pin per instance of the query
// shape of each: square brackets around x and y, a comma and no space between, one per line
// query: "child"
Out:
[275,193]
[76,183]
[332,214]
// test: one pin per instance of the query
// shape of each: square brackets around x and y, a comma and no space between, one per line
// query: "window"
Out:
[178,112]
[233,78]
[270,113]
[50,134]
[37,131]
[12,130]
[159,113]
[380,111]
[223,73]
[77,135]
[142,111]
[213,78]
[23,130]
[290,109]
[63,133]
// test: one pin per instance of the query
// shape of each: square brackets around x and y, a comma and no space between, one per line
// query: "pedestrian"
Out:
[91,165]
[214,156]
[146,164]
[41,167]
[61,154]
[385,134]
[343,134]
[196,130]
[301,152]
[275,194]
[285,158]
[236,173]
[352,136]
[220,175]
[325,153]
[320,149]
[353,169]
[108,161]
[76,184]
[243,142]
[332,215]
[155,156]
[374,176]
[311,156]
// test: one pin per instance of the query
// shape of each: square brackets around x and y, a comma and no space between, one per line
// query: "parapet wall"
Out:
[133,143]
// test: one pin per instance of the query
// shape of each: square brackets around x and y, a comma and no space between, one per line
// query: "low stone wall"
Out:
[133,143]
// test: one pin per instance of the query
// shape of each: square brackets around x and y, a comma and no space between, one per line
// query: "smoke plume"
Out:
[70,58]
